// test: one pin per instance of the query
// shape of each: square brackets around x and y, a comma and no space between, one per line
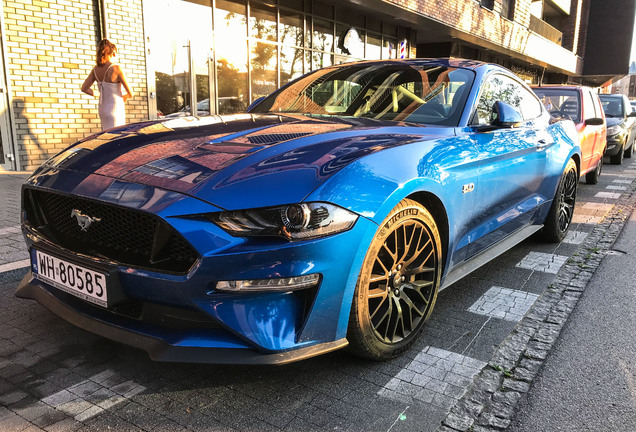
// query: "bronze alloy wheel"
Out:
[398,284]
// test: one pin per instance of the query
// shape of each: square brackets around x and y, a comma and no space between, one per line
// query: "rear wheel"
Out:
[593,176]
[398,283]
[562,210]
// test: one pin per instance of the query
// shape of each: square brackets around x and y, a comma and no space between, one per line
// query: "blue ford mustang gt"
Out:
[331,214]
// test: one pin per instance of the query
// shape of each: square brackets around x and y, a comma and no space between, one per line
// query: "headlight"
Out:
[292,222]
[271,285]
[615,130]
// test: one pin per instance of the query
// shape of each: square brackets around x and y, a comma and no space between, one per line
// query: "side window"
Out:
[530,105]
[597,104]
[505,89]
[589,107]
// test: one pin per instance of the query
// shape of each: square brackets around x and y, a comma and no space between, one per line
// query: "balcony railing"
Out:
[546,30]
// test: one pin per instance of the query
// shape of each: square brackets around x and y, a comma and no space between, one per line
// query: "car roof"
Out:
[559,86]
[443,61]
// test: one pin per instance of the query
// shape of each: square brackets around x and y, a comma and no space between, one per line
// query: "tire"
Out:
[629,151]
[562,210]
[593,176]
[617,159]
[398,284]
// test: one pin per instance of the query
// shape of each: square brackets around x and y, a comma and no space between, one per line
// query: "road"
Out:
[56,377]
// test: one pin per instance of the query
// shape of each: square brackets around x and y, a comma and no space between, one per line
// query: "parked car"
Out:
[203,109]
[227,105]
[583,106]
[329,215]
[620,127]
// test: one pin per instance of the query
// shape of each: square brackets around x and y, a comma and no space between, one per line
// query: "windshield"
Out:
[612,105]
[430,94]
[561,101]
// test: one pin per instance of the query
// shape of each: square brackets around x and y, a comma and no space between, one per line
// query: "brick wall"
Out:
[50,49]
[469,17]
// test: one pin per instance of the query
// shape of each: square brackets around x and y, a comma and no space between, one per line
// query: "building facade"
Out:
[218,56]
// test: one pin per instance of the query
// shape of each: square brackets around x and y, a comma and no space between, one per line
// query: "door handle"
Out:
[541,144]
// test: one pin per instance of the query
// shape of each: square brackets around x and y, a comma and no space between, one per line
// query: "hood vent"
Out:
[275,138]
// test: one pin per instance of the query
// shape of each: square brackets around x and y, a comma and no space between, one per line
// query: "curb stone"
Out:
[491,400]
[13,275]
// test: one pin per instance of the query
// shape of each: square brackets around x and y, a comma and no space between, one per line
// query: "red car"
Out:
[583,106]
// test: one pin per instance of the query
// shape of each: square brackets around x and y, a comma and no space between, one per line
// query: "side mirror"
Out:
[506,116]
[596,121]
[256,102]
[632,114]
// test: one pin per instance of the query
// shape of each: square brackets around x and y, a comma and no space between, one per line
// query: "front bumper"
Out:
[182,317]
[614,146]
[159,349]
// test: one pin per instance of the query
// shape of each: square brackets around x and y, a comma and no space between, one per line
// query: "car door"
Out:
[512,163]
[587,133]
[630,122]
[593,109]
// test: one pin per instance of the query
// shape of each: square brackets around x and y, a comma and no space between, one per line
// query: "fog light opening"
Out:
[270,285]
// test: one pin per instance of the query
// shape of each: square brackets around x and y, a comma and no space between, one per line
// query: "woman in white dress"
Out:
[110,80]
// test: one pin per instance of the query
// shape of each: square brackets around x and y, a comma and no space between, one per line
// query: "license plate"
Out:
[77,280]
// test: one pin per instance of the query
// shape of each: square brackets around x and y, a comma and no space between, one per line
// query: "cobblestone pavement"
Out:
[478,354]
[13,254]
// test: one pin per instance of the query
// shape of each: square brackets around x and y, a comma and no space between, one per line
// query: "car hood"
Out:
[229,160]
[613,121]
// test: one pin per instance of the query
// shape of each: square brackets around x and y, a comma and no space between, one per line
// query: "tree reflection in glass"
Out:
[231,56]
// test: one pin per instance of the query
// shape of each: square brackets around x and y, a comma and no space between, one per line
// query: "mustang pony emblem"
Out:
[83,220]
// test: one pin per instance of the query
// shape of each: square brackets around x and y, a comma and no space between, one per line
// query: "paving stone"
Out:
[14,423]
[488,419]
[50,417]
[458,421]
[13,397]
[66,425]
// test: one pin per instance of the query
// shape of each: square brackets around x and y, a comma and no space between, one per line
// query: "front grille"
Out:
[124,235]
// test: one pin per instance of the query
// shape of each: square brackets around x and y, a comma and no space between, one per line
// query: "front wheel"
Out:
[629,151]
[562,210]
[398,283]
[617,159]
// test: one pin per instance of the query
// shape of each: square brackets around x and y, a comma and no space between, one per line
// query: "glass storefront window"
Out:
[374,47]
[389,49]
[262,21]
[349,41]
[253,54]
[177,31]
[323,35]
[318,59]
[263,61]
[231,65]
[291,28]
[291,63]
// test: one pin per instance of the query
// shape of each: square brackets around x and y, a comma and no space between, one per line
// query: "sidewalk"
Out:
[14,258]
[589,380]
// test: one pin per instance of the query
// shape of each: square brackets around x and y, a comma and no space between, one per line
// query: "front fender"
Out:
[374,185]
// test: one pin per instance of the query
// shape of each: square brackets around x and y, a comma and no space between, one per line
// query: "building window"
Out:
[253,48]
[488,4]
[508,9]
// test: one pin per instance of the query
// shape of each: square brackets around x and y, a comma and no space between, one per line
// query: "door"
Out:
[512,164]
[592,109]
[179,43]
